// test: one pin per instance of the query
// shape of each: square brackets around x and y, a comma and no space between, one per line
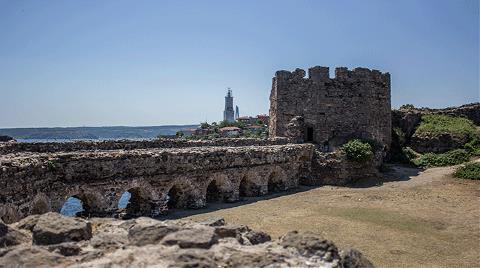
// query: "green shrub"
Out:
[469,171]
[399,135]
[450,158]
[51,165]
[403,155]
[473,146]
[358,150]
[436,124]
[407,107]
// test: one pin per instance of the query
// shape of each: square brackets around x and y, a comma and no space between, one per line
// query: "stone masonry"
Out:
[158,179]
[170,173]
[354,104]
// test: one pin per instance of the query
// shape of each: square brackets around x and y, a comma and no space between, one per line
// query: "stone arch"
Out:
[249,187]
[222,187]
[277,181]
[182,194]
[243,188]
[213,193]
[10,213]
[175,197]
[40,204]
[73,206]
[91,201]
[140,202]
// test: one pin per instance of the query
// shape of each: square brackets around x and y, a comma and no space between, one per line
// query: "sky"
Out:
[141,63]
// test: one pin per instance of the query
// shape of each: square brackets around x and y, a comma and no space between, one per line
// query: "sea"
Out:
[72,134]
[73,205]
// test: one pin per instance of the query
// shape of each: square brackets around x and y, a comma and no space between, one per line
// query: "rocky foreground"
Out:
[53,240]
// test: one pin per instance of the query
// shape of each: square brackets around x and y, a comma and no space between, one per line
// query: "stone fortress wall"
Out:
[354,104]
[52,147]
[171,173]
[158,179]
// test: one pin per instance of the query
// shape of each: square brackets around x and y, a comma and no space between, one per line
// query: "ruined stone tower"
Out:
[228,113]
[354,104]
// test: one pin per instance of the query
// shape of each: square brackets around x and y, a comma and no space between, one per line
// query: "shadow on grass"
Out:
[393,172]
[181,213]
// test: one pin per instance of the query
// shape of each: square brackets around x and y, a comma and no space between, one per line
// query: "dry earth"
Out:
[410,218]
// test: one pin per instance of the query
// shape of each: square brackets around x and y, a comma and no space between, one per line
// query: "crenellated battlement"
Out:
[353,104]
[322,74]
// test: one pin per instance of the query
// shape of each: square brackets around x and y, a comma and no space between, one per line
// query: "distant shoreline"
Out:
[63,134]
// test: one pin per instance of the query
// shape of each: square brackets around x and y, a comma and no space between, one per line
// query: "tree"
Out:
[204,125]
[179,134]
[407,107]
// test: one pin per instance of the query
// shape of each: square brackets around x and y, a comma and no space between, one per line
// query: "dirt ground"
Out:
[410,218]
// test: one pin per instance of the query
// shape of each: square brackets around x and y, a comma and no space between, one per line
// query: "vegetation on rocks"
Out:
[436,124]
[358,150]
[405,155]
[450,158]
[469,171]
[473,147]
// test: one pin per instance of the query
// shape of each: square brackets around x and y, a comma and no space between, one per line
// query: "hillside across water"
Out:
[71,133]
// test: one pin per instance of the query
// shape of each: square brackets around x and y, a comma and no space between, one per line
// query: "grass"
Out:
[404,223]
[435,124]
[449,158]
[469,171]
[387,219]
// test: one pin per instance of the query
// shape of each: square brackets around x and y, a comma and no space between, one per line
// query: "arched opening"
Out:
[135,202]
[173,197]
[124,200]
[40,204]
[213,192]
[243,190]
[73,206]
[275,184]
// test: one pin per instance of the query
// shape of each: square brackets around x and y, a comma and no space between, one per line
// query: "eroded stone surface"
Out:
[189,244]
[53,228]
[157,179]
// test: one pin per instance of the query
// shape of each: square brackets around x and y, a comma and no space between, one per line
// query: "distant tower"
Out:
[228,114]
[237,113]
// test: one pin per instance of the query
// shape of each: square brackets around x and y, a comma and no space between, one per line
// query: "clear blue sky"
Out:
[97,63]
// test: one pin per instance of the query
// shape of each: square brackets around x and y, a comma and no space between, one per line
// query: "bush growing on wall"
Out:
[358,150]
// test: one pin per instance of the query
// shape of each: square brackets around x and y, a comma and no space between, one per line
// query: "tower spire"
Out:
[228,113]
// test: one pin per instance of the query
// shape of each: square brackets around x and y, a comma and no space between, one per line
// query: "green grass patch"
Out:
[470,171]
[435,124]
[449,158]
[388,219]
[358,150]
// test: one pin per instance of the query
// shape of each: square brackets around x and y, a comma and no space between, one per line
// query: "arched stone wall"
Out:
[99,178]
[277,180]
[40,204]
